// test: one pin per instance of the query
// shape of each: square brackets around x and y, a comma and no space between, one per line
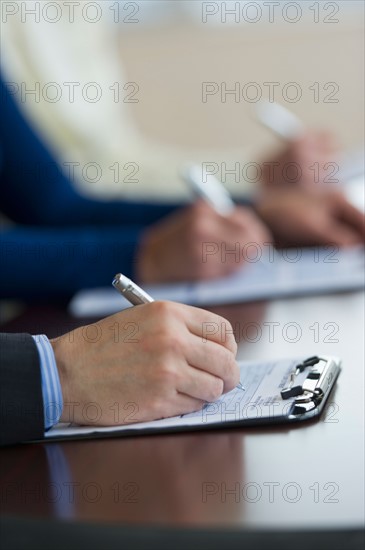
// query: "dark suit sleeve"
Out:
[21,416]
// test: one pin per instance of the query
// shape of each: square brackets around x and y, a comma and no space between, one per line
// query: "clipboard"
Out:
[287,391]
[311,395]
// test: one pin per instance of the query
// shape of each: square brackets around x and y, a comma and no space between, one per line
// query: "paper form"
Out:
[292,272]
[262,381]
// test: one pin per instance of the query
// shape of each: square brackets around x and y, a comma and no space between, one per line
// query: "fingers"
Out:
[341,235]
[214,359]
[330,231]
[229,241]
[184,321]
[309,157]
[315,145]
[305,218]
[241,225]
[184,404]
[351,216]
[198,243]
[251,228]
[210,372]
[172,371]
[200,340]
[172,404]
[200,385]
[342,224]
[328,143]
[209,326]
[314,153]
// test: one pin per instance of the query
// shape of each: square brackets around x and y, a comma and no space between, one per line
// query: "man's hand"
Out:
[197,243]
[300,217]
[309,161]
[148,362]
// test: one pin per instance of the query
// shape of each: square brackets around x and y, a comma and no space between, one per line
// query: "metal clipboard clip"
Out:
[321,376]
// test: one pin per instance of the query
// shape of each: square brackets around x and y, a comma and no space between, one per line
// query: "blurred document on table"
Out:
[287,272]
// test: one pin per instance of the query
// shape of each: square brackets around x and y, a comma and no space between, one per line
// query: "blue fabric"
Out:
[51,386]
[63,241]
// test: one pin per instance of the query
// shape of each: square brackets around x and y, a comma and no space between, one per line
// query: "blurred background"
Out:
[150,60]
[173,52]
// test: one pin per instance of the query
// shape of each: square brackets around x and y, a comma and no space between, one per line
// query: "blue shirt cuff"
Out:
[51,386]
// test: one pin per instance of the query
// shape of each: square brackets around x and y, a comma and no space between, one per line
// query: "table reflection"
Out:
[186,479]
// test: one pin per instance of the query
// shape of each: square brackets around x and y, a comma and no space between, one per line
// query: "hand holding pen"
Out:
[309,158]
[212,238]
[303,201]
[145,363]
[137,296]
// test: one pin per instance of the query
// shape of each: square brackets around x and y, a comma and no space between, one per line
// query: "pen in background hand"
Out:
[212,191]
[279,120]
[288,126]
[137,296]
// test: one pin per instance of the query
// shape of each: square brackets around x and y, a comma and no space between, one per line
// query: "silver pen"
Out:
[137,296]
[212,191]
[279,120]
[131,292]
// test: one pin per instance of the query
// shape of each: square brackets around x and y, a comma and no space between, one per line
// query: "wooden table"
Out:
[306,477]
